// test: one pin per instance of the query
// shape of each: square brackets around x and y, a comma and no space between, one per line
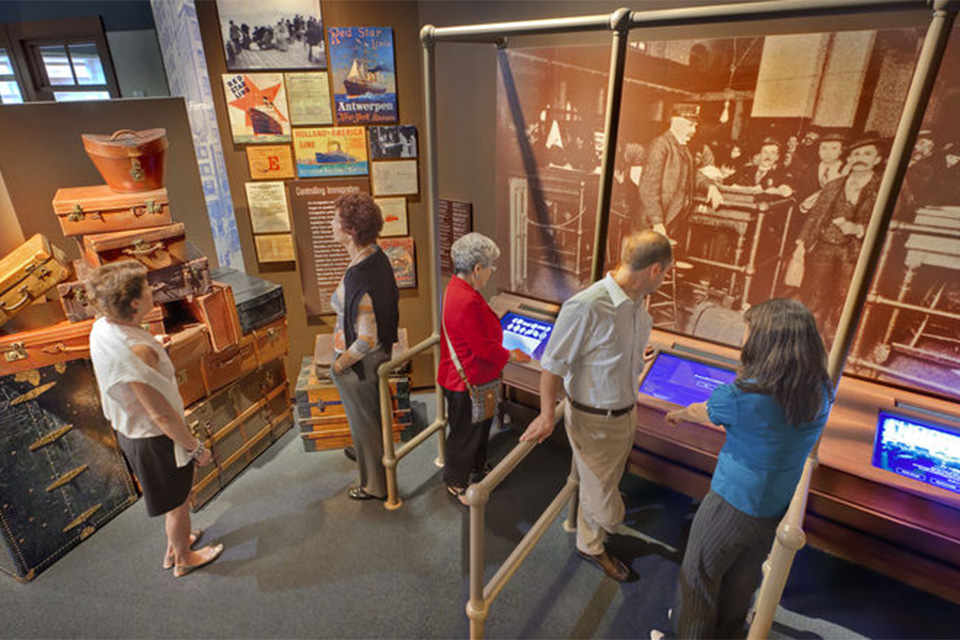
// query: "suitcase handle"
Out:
[141,248]
[62,348]
[23,291]
[150,206]
[124,132]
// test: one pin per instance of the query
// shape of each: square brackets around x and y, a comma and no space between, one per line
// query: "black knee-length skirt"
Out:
[165,485]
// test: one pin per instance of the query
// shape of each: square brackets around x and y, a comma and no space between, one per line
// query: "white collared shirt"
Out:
[597,345]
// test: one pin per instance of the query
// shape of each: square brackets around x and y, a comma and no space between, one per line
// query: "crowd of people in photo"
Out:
[286,32]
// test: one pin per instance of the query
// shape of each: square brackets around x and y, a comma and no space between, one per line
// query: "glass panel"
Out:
[6,66]
[10,92]
[57,65]
[79,96]
[86,63]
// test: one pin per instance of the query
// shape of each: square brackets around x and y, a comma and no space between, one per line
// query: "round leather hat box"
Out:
[129,160]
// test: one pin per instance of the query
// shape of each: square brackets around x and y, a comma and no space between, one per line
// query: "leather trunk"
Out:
[56,343]
[28,272]
[220,369]
[216,310]
[186,350]
[155,248]
[62,475]
[271,341]
[99,209]
[238,423]
[259,301]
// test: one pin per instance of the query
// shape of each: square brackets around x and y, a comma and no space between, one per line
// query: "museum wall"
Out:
[414,303]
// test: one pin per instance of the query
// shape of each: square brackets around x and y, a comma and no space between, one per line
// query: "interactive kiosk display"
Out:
[682,380]
[525,333]
[918,448]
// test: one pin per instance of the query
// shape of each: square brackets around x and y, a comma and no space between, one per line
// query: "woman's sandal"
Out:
[183,569]
[359,493]
[195,536]
[458,495]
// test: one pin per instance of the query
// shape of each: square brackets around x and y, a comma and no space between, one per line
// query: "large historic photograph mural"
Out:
[761,158]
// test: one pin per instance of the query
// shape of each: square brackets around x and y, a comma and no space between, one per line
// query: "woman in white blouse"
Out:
[140,398]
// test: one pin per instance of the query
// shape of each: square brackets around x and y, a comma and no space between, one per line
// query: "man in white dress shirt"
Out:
[596,353]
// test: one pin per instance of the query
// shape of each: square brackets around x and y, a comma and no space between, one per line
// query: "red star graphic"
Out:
[255,97]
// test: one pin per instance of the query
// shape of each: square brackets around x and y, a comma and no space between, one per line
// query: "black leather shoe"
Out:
[613,567]
[351,453]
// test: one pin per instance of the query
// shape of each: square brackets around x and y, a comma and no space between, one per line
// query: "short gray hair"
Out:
[471,250]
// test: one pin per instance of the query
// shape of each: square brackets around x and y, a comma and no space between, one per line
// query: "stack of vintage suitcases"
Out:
[226,333]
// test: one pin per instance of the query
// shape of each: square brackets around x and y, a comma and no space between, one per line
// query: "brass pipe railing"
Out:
[391,455]
[478,495]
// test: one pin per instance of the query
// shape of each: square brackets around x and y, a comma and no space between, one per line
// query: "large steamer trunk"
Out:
[259,301]
[62,475]
[238,423]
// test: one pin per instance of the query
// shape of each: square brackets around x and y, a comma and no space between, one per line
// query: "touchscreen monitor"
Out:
[527,334]
[918,448]
[682,380]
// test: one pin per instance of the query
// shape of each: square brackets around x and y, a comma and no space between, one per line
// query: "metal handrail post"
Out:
[790,537]
[477,608]
[620,24]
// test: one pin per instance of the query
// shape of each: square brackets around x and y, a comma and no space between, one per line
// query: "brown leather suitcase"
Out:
[271,341]
[155,248]
[238,423]
[59,342]
[28,272]
[217,311]
[99,209]
[186,349]
[129,160]
[62,476]
[220,369]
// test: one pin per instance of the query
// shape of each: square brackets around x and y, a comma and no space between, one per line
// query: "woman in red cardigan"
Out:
[475,333]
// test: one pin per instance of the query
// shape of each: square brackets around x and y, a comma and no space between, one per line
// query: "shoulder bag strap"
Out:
[453,353]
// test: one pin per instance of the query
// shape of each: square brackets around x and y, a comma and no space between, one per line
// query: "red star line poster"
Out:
[257,105]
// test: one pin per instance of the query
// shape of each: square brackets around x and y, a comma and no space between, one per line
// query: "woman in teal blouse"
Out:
[773,414]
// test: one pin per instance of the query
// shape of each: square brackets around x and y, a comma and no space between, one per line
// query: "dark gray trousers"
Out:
[361,402]
[721,569]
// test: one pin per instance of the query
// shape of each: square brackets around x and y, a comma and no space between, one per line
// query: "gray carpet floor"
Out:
[304,561]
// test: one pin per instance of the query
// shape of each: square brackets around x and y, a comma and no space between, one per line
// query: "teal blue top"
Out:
[762,459]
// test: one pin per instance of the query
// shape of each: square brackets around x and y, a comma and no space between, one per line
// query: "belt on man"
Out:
[610,413]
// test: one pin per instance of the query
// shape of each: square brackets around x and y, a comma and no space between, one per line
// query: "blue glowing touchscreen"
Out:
[918,449]
[683,381]
[527,334]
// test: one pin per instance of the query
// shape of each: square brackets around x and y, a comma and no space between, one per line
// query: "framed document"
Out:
[257,107]
[394,212]
[330,151]
[308,97]
[396,178]
[275,248]
[274,162]
[403,260]
[268,207]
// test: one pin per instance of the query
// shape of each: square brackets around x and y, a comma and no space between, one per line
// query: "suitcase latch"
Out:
[14,352]
[136,171]
[153,206]
[76,214]
[182,376]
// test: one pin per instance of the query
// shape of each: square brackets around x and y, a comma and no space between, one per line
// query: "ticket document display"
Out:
[683,380]
[918,448]
[525,333]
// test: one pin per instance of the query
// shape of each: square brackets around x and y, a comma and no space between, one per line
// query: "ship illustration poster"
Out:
[364,74]
[330,151]
[257,106]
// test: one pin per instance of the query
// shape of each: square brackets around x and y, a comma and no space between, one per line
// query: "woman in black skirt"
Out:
[139,394]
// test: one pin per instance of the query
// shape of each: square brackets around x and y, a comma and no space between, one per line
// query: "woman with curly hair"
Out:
[367,306]
[773,414]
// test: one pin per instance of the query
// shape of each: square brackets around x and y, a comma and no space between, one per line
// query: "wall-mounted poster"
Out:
[257,106]
[273,162]
[396,178]
[275,247]
[392,142]
[322,261]
[454,219]
[394,212]
[364,80]
[268,207]
[403,260]
[330,151]
[308,95]
[272,34]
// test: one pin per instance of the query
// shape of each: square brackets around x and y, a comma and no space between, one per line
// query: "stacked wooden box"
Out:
[319,410]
